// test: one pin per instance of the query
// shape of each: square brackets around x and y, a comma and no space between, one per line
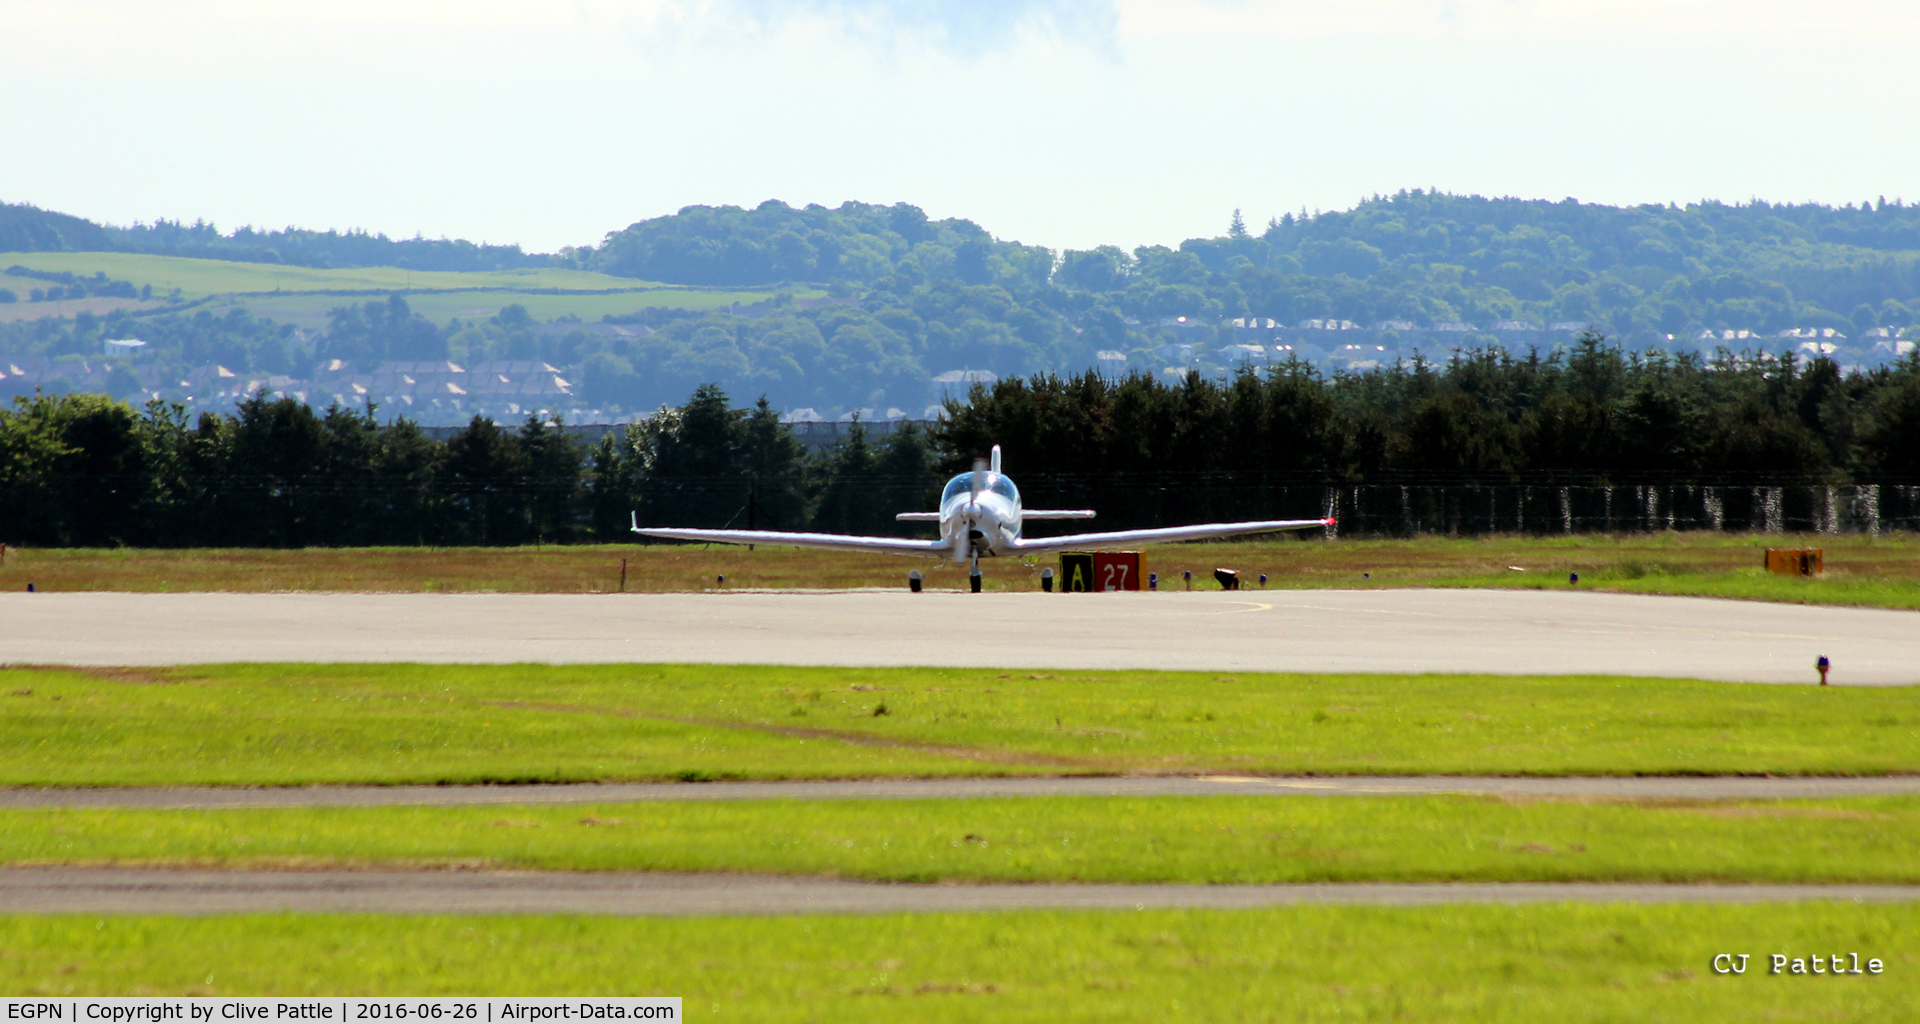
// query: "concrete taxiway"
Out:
[1579,788]
[162,891]
[1396,631]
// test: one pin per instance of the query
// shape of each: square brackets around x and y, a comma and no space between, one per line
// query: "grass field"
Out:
[1305,964]
[1211,840]
[297,294]
[1873,571]
[299,724]
[24,309]
[197,278]
[21,287]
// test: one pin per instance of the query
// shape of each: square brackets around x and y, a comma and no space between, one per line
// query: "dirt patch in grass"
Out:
[126,674]
[253,724]
[1710,808]
[1790,811]
[837,735]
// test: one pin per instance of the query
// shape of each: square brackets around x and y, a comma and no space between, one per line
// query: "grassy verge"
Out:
[1868,571]
[583,569]
[272,724]
[1066,839]
[1457,963]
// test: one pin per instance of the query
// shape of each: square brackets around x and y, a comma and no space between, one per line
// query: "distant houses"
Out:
[446,393]
[498,388]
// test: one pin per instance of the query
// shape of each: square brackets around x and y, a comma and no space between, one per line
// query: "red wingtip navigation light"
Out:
[1330,521]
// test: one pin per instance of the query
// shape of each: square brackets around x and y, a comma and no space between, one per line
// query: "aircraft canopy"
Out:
[996,482]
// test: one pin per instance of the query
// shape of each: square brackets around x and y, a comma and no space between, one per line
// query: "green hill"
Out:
[921,303]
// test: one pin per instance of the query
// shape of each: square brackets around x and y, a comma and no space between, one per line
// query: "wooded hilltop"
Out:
[912,300]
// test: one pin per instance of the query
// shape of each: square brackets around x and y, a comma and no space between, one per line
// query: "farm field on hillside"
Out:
[300,295]
[282,725]
[22,308]
[198,277]
[1874,571]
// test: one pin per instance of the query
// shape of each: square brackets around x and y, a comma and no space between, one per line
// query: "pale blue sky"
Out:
[1064,123]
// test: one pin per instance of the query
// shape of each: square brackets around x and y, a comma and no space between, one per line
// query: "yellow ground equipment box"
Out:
[1795,561]
[1083,571]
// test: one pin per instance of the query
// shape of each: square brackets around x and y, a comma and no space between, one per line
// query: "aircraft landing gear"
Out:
[973,578]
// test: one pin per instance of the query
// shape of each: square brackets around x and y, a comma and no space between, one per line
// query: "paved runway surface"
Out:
[161,891]
[1308,631]
[1673,788]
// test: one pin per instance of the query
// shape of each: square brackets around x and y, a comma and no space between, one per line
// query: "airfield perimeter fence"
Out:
[1476,508]
[512,510]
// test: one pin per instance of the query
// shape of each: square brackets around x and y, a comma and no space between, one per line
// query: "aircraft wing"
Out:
[1162,536]
[830,541]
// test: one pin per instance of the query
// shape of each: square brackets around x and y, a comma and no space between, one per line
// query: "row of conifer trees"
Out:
[84,470]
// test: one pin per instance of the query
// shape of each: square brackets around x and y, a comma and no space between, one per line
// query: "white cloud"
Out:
[1062,122]
[964,26]
[1706,22]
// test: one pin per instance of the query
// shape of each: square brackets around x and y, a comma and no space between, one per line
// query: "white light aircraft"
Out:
[980,517]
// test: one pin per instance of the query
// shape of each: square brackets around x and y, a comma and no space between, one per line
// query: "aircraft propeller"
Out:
[963,530]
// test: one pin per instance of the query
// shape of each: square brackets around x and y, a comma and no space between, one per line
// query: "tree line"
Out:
[26,228]
[85,470]
[1595,413]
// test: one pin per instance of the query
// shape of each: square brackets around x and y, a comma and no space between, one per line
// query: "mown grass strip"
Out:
[1456,963]
[1863,571]
[1038,839]
[303,724]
